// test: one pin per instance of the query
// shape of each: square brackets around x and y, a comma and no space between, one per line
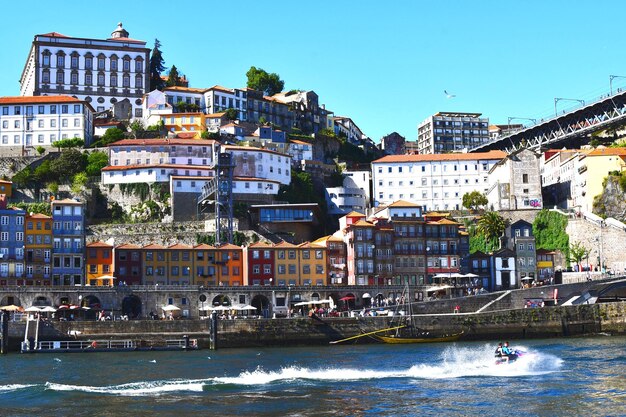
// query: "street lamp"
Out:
[611,77]
[521,118]
[557,99]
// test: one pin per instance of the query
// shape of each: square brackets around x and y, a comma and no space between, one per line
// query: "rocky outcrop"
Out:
[612,201]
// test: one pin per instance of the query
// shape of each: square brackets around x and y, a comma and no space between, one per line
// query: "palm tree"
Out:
[491,226]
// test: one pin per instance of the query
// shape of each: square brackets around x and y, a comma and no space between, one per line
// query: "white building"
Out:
[450,131]
[345,126]
[437,182]
[300,151]
[515,182]
[155,160]
[29,122]
[98,71]
[154,106]
[362,180]
[251,162]
[342,200]
[210,100]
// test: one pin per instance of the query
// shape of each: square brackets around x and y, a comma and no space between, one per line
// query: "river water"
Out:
[557,377]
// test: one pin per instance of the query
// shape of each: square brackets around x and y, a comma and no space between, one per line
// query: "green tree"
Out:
[40,150]
[95,162]
[577,252]
[53,187]
[78,183]
[157,66]
[261,80]
[231,114]
[549,231]
[474,200]
[68,164]
[300,190]
[111,135]
[23,178]
[137,128]
[173,78]
[43,173]
[491,226]
[69,143]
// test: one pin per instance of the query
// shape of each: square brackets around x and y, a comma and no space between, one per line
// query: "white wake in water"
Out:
[14,387]
[451,363]
[146,388]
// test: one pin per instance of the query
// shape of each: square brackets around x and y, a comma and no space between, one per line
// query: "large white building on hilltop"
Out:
[436,182]
[29,122]
[451,131]
[98,71]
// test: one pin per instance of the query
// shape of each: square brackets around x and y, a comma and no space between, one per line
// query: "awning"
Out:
[170,307]
[346,298]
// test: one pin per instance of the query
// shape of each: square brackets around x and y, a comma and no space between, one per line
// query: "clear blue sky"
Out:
[384,64]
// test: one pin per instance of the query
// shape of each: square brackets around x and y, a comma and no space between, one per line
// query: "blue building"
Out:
[11,245]
[522,241]
[68,251]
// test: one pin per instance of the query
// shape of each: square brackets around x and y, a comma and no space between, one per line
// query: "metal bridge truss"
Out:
[573,125]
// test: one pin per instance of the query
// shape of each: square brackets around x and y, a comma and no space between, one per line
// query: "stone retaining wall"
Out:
[509,324]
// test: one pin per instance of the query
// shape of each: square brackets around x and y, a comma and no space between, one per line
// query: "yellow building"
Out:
[154,264]
[180,265]
[593,167]
[204,265]
[312,259]
[184,125]
[38,249]
[286,264]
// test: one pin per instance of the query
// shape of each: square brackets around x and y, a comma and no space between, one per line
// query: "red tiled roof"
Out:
[38,99]
[162,141]
[128,246]
[38,216]
[204,246]
[54,35]
[180,246]
[154,246]
[607,152]
[185,89]
[148,166]
[99,245]
[402,203]
[442,157]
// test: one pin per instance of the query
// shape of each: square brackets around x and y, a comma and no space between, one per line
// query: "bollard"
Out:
[4,332]
[213,331]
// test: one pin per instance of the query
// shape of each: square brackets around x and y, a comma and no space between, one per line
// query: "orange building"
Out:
[100,264]
[229,265]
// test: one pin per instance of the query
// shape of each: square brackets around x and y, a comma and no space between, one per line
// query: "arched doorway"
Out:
[347,302]
[315,297]
[379,300]
[91,301]
[221,300]
[131,306]
[262,305]
[41,301]
[10,300]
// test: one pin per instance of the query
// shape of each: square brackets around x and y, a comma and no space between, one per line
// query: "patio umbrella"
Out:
[470,275]
[48,309]
[170,307]
[11,307]
[248,307]
[33,309]
[221,308]
[346,299]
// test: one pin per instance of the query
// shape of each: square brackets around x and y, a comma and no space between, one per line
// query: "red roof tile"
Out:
[442,157]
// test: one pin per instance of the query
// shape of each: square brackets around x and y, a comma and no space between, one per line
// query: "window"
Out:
[525,178]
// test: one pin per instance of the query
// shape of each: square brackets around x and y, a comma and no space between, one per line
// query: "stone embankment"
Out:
[543,322]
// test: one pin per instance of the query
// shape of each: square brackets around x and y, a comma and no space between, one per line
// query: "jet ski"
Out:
[515,355]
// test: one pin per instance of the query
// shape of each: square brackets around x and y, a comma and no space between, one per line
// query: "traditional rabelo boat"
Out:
[401,330]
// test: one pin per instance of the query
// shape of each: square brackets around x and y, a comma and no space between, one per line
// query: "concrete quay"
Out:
[486,317]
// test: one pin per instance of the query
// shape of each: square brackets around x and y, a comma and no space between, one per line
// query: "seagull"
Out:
[448,95]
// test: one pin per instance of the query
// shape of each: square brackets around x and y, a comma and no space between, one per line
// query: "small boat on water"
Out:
[401,330]
[420,339]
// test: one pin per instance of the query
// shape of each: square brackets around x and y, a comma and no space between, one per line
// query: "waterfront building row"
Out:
[36,249]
